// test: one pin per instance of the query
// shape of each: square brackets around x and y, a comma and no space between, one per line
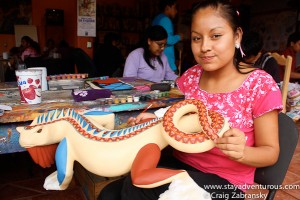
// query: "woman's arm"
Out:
[266,149]
[167,24]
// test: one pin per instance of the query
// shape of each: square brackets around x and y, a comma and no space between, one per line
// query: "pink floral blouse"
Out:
[257,95]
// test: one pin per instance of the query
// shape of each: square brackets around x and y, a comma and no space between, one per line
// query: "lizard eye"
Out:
[40,130]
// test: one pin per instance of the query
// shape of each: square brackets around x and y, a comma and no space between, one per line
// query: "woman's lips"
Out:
[207,58]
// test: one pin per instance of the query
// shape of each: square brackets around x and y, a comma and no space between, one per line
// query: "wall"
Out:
[70,19]
[70,24]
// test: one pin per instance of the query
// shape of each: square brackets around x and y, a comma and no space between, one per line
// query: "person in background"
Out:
[293,47]
[252,45]
[168,10]
[66,53]
[14,54]
[50,49]
[29,48]
[108,57]
[150,62]
[222,85]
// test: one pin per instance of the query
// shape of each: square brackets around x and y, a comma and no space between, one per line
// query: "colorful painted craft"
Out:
[91,140]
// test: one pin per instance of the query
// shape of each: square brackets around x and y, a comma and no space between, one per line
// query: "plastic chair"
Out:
[275,174]
[287,63]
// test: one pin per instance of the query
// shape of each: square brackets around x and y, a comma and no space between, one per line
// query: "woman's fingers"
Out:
[232,143]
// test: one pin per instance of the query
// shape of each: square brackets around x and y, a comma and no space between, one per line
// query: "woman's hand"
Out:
[140,118]
[232,144]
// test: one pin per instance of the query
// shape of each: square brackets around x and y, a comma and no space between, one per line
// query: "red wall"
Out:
[70,24]
[70,21]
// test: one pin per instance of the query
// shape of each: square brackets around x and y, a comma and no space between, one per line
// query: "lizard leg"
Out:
[144,171]
[61,179]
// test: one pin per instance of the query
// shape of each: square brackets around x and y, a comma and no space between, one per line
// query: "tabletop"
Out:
[23,114]
[62,99]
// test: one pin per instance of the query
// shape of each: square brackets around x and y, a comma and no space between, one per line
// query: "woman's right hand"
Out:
[140,118]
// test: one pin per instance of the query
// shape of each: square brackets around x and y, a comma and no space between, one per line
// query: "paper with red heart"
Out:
[29,84]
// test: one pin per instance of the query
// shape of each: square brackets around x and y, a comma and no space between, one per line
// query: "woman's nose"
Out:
[206,45]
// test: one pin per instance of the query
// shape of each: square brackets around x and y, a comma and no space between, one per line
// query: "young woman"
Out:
[248,97]
[168,9]
[149,62]
[29,48]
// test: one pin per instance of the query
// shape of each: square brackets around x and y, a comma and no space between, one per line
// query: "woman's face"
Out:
[213,40]
[296,46]
[24,43]
[157,47]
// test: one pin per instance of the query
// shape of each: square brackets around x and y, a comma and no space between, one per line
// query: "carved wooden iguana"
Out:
[90,140]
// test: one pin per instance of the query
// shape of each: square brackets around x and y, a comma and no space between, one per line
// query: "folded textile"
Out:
[91,94]
[113,84]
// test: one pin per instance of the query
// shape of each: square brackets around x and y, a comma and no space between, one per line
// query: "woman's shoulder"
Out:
[192,73]
[260,79]
[136,52]
[194,69]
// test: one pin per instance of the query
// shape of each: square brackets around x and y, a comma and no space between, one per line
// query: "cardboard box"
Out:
[90,183]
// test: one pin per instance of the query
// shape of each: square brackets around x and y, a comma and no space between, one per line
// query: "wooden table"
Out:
[23,114]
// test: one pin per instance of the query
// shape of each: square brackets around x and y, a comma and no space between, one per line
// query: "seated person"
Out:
[293,47]
[108,57]
[50,49]
[150,62]
[222,84]
[252,45]
[29,48]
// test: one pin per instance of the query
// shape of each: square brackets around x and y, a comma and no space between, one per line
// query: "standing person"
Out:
[293,47]
[168,10]
[223,86]
[252,45]
[150,62]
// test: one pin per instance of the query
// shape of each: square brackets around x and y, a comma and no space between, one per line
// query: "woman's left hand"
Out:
[232,144]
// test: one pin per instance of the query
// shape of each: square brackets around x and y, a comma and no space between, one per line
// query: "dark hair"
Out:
[110,37]
[252,43]
[27,39]
[164,3]
[228,12]
[32,43]
[154,33]
[294,37]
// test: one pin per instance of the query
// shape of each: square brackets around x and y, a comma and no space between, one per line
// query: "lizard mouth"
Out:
[43,155]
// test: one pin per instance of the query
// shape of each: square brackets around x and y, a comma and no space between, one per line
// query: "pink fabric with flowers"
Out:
[257,95]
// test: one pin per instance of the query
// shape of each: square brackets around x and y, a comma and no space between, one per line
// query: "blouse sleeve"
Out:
[267,96]
[131,65]
[186,78]
[180,82]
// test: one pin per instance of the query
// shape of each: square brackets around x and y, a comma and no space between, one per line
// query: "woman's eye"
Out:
[196,38]
[216,36]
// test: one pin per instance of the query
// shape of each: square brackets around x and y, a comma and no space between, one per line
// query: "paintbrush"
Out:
[147,119]
[146,108]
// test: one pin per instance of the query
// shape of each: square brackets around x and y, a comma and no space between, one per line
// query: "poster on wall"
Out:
[14,12]
[86,12]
